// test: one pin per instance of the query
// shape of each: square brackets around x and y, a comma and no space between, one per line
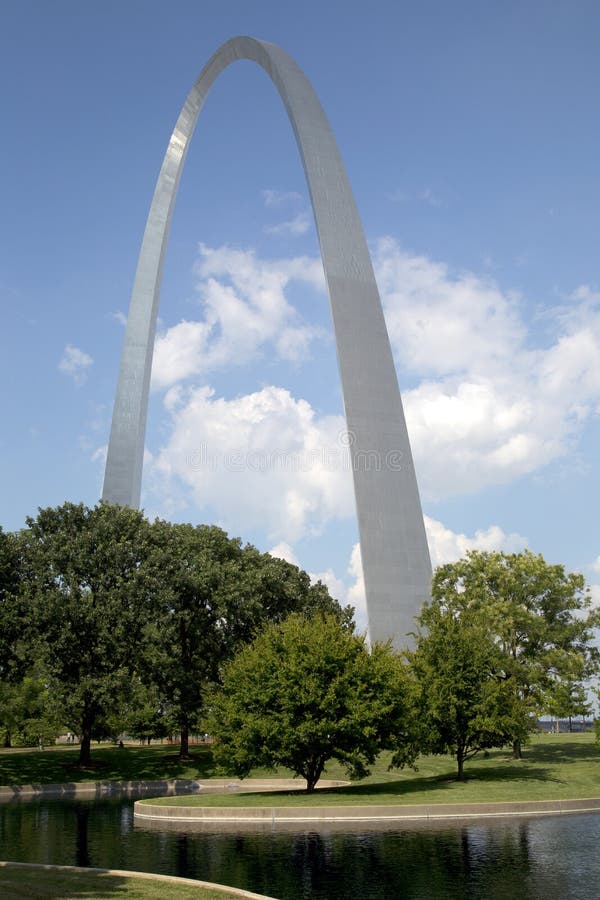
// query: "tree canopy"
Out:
[463,703]
[304,692]
[538,616]
[214,595]
[85,581]
[106,605]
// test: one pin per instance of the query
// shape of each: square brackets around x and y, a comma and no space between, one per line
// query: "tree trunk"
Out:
[570,725]
[184,750]
[312,773]
[85,751]
[517,754]
[461,766]
[7,744]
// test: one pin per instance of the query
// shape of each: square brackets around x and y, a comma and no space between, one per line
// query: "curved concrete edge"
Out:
[86,790]
[148,876]
[97,789]
[271,815]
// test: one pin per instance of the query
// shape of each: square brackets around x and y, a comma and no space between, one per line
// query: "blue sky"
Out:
[471,138]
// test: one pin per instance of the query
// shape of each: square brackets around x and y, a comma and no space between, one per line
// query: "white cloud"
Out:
[445,546]
[284,551]
[75,363]
[292,227]
[99,454]
[488,407]
[275,199]
[299,223]
[356,595]
[264,460]
[595,595]
[448,546]
[245,309]
[444,325]
[335,585]
[486,404]
[595,566]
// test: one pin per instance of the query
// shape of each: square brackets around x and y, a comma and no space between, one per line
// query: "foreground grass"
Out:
[44,884]
[554,767]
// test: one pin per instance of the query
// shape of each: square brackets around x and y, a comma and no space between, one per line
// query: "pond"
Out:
[550,858]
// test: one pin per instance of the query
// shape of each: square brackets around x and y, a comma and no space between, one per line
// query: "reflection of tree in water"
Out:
[82,855]
[491,860]
[182,856]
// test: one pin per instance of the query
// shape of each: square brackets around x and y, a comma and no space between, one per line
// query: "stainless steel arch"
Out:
[395,557]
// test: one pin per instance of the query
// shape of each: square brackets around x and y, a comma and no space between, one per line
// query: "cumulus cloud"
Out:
[244,309]
[335,585]
[346,590]
[356,595]
[75,363]
[282,550]
[440,324]
[595,566]
[445,546]
[489,405]
[489,400]
[264,459]
[448,546]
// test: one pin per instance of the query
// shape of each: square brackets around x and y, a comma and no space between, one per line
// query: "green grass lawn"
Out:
[554,767]
[57,765]
[43,884]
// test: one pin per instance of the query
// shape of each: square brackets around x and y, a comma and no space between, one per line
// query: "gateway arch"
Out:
[395,558]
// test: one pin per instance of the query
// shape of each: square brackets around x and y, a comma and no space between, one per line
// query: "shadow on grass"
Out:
[18,880]
[448,781]
[108,764]
[557,752]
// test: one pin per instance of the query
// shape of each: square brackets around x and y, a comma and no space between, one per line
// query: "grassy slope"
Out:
[45,884]
[558,766]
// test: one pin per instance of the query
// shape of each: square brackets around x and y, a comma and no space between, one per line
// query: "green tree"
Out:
[463,703]
[539,616]
[12,618]
[304,692]
[26,713]
[214,594]
[567,700]
[88,593]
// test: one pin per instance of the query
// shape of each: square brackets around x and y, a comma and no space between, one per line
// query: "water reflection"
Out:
[549,859]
